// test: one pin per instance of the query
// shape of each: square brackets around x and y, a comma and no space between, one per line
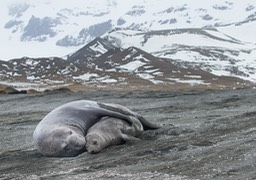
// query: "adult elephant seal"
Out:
[111,131]
[62,131]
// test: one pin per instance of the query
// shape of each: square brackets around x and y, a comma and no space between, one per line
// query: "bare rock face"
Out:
[9,90]
[58,90]
[12,90]
[32,91]
[2,89]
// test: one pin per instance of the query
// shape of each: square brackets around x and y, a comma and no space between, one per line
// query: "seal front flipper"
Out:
[117,108]
[124,110]
[128,137]
[105,112]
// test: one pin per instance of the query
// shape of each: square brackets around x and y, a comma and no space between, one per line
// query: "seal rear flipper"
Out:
[146,124]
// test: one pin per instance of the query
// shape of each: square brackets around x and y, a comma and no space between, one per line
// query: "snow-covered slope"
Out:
[206,48]
[100,63]
[55,28]
[128,42]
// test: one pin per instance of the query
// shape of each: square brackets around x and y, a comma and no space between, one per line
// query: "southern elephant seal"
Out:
[111,131]
[62,131]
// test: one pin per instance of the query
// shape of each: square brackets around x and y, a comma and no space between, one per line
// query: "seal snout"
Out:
[92,151]
[93,144]
[77,141]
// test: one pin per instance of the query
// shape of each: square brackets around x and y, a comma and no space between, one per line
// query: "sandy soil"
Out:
[203,135]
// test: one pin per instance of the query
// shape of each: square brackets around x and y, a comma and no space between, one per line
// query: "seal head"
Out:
[95,143]
[62,142]
[111,131]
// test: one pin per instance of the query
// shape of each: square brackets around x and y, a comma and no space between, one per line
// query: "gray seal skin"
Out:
[111,131]
[124,110]
[61,133]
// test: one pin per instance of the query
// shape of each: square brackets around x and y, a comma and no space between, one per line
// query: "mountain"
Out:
[74,24]
[204,48]
[89,52]
[135,43]
[135,66]
[101,64]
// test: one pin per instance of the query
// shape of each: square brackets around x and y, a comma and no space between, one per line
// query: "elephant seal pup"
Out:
[62,131]
[111,131]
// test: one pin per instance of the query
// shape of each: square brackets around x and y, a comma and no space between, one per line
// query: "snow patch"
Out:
[86,76]
[192,82]
[132,66]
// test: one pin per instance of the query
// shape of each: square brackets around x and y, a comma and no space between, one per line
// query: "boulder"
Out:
[10,90]
[32,91]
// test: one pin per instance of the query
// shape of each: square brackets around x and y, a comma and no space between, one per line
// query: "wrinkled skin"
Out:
[62,142]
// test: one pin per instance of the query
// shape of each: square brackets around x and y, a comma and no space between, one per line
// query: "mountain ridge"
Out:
[147,42]
[95,66]
[79,23]
[207,48]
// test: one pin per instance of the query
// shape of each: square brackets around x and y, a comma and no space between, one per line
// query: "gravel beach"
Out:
[207,134]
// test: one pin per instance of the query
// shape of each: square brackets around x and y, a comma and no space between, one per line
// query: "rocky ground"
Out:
[204,135]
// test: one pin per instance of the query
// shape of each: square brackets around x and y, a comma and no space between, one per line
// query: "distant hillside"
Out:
[102,64]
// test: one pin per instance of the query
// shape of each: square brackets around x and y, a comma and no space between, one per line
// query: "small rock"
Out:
[32,91]
[59,90]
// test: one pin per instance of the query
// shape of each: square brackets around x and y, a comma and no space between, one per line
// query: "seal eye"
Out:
[70,132]
[66,147]
[94,142]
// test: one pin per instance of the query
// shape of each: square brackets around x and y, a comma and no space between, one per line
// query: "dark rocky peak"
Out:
[92,50]
[118,57]
[123,55]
